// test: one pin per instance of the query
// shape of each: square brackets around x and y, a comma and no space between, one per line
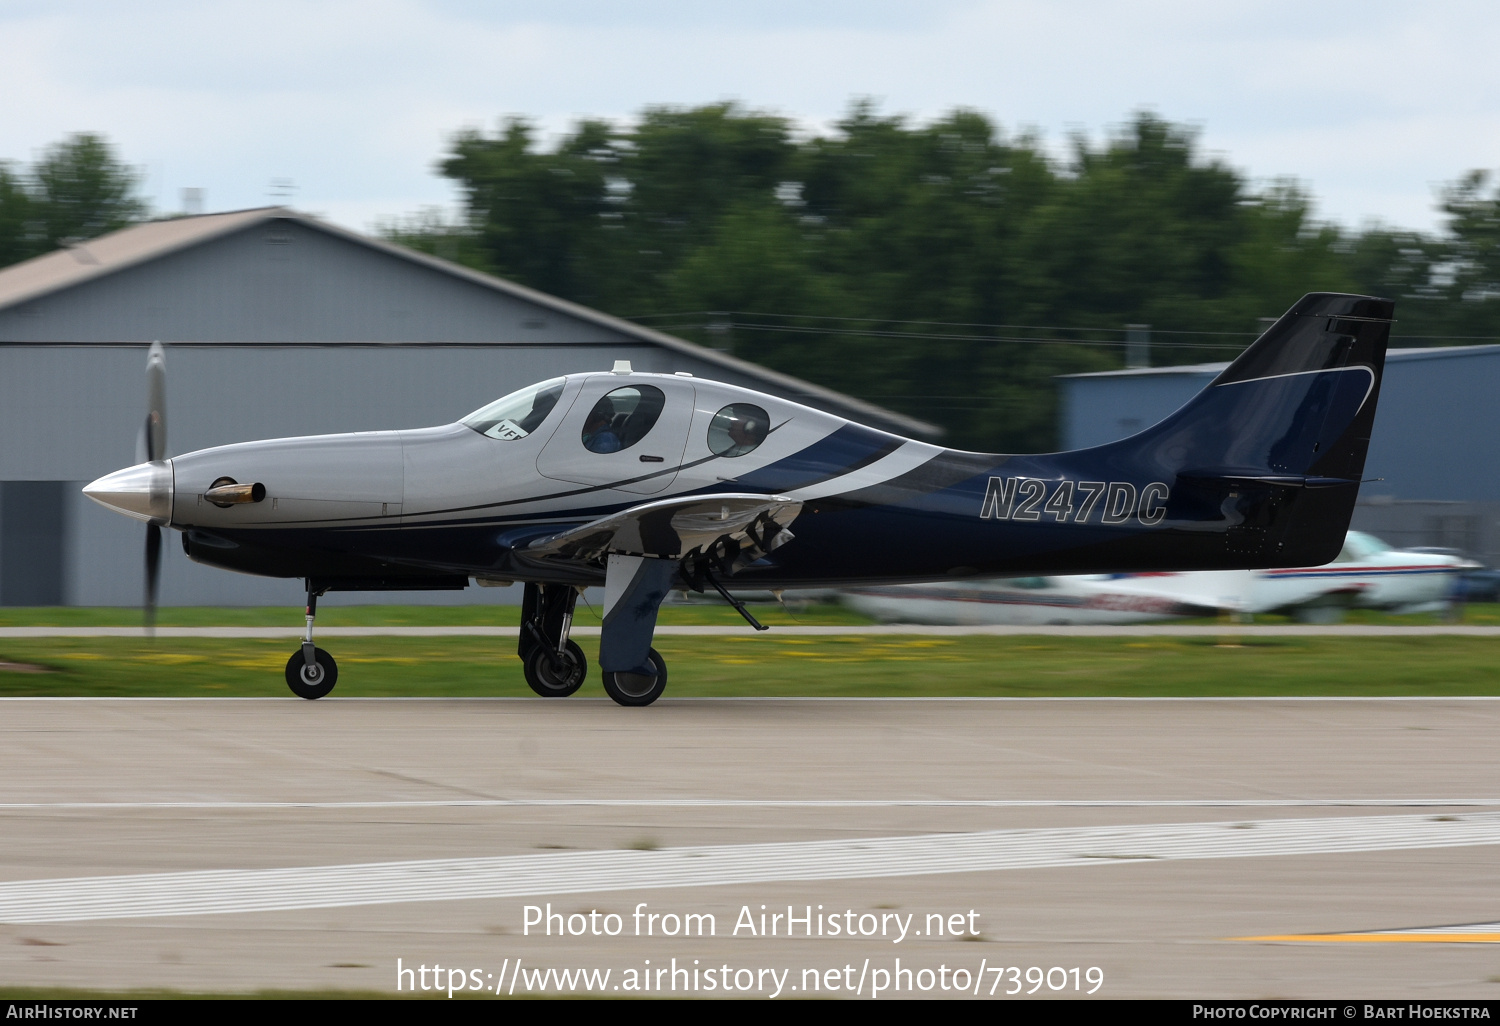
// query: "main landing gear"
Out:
[638,688]
[554,665]
[311,672]
[634,673]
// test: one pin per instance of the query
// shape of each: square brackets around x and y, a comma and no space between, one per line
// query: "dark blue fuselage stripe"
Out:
[848,449]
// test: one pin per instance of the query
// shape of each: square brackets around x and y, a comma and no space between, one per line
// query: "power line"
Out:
[945,337]
[718,315]
[719,322]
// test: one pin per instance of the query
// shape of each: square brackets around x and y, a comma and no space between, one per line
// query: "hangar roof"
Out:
[87,261]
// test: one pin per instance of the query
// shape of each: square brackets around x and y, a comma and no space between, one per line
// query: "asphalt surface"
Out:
[228,845]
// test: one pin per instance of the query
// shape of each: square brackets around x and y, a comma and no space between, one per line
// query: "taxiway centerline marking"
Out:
[234,890]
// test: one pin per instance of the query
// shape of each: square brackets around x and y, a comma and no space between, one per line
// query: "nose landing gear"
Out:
[311,672]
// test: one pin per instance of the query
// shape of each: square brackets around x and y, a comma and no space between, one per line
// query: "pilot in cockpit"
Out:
[598,435]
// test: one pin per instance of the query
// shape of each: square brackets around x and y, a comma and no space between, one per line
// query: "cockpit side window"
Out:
[1359,546]
[737,429]
[622,418]
[518,414]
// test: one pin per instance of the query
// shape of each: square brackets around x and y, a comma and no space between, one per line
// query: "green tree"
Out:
[1471,291]
[1283,254]
[15,217]
[686,169]
[942,269]
[77,190]
[537,216]
[81,190]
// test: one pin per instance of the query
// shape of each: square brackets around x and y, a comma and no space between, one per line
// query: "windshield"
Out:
[518,414]
[1359,546]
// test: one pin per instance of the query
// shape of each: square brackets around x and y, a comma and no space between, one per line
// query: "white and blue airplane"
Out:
[1366,574]
[645,483]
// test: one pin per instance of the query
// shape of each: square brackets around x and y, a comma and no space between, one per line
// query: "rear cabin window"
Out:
[737,429]
[622,418]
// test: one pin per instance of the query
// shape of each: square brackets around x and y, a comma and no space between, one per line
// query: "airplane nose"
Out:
[143,491]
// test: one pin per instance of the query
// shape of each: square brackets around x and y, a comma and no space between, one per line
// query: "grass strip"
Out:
[838,665]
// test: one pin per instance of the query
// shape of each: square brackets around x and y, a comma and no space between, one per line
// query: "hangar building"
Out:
[1436,444]
[276,324]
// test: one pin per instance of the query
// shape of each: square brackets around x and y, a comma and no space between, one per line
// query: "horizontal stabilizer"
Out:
[1251,476]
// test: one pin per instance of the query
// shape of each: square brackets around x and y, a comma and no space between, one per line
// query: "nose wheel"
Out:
[312,681]
[311,672]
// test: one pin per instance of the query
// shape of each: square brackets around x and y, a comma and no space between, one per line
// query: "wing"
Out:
[721,527]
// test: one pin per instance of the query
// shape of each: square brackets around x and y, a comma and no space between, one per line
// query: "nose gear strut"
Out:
[311,672]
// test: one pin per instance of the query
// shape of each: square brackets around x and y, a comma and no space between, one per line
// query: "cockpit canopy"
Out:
[1359,546]
[518,414]
[622,417]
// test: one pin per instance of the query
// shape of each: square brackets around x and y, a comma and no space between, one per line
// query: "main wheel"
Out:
[638,688]
[560,681]
[307,682]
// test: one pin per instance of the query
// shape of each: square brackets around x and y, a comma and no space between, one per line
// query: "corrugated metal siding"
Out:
[1437,429]
[1096,410]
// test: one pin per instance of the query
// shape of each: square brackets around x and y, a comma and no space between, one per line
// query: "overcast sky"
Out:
[1372,105]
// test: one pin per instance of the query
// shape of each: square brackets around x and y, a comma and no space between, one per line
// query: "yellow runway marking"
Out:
[1473,933]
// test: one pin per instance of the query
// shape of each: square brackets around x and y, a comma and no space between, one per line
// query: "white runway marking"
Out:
[228,891]
[791,803]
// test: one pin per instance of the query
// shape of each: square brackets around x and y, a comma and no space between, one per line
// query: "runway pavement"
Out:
[1228,848]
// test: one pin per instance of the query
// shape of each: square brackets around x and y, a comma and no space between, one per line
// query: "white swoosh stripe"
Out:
[226,891]
[906,458]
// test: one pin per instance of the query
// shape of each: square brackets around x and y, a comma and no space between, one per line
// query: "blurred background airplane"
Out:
[1367,574]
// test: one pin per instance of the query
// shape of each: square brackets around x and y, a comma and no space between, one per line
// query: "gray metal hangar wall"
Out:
[275,324]
[1436,443]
